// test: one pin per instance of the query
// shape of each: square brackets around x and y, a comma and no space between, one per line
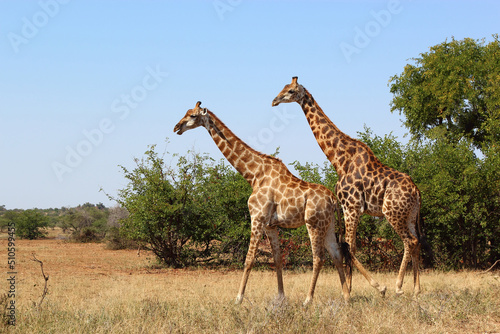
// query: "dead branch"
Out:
[489,269]
[45,277]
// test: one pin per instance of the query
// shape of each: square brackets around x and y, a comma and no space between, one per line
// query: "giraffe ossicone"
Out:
[364,186]
[278,199]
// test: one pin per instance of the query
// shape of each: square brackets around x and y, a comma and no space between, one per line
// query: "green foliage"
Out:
[452,90]
[195,212]
[460,202]
[222,196]
[6,216]
[87,222]
[460,209]
[30,224]
[387,149]
[155,209]
[451,101]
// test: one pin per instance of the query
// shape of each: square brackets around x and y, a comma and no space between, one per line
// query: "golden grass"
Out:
[95,290]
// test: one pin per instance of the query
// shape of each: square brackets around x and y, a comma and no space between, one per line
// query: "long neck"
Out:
[334,143]
[237,152]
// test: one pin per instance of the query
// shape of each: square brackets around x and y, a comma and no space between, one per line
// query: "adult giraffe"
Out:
[365,185]
[279,199]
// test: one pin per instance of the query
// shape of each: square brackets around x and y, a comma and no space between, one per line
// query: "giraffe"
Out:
[278,199]
[365,186]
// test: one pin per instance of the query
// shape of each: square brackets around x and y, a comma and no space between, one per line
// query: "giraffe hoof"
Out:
[399,292]
[238,300]
[382,290]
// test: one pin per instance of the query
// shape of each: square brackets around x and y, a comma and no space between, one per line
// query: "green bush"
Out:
[30,224]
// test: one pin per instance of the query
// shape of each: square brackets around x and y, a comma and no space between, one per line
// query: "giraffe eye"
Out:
[193,116]
[291,91]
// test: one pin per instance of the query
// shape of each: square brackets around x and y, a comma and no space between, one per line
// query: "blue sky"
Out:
[88,85]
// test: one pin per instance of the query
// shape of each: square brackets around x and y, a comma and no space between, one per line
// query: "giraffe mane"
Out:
[221,134]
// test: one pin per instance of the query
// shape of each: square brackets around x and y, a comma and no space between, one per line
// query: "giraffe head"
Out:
[291,93]
[194,118]
[197,117]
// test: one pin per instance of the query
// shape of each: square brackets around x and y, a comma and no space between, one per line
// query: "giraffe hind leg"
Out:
[381,288]
[408,233]
[333,249]
[416,275]
[317,245]
[410,252]
[272,234]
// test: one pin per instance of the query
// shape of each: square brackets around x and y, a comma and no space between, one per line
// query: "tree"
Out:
[30,224]
[116,215]
[221,197]
[155,208]
[87,222]
[450,98]
[194,212]
[460,203]
[452,90]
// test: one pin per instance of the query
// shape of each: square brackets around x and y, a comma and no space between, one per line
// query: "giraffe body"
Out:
[364,186]
[278,199]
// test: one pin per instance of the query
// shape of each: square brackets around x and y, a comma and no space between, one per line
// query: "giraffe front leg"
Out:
[250,260]
[351,223]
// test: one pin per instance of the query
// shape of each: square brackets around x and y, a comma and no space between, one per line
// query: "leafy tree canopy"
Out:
[453,90]
[30,224]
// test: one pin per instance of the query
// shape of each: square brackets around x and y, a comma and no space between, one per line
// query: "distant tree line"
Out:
[84,223]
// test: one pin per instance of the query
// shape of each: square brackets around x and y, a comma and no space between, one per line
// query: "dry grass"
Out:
[94,290]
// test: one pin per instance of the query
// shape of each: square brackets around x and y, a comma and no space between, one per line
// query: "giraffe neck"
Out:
[243,158]
[335,144]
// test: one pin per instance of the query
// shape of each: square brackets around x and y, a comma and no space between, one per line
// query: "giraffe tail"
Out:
[422,239]
[346,254]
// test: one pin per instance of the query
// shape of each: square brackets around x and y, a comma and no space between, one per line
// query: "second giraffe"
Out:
[364,186]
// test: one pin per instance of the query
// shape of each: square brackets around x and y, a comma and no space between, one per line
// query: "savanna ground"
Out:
[95,290]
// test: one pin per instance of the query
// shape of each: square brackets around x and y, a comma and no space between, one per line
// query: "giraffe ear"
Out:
[204,111]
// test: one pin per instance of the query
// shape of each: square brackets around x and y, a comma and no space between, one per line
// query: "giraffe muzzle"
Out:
[179,129]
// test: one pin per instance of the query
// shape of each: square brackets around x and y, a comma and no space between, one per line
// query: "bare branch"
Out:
[489,269]
[45,277]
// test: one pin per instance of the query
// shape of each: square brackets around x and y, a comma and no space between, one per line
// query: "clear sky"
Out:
[88,85]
